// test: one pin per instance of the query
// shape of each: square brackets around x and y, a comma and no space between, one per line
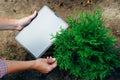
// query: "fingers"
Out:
[21,23]
[53,65]
[50,60]
[33,15]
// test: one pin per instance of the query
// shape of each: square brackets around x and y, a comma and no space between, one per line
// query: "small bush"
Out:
[86,48]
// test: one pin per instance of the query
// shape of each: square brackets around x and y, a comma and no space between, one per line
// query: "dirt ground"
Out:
[10,49]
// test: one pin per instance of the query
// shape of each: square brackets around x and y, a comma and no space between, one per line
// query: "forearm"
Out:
[15,66]
[43,65]
[8,24]
[16,24]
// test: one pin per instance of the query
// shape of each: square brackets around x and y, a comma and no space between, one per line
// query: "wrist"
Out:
[32,64]
[16,24]
[13,23]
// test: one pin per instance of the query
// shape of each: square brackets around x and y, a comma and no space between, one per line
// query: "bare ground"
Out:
[10,49]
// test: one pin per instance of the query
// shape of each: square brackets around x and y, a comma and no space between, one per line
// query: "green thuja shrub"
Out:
[86,49]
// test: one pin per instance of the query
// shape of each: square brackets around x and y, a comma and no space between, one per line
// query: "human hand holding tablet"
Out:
[36,37]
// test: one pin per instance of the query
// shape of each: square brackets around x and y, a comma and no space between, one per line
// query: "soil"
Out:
[10,49]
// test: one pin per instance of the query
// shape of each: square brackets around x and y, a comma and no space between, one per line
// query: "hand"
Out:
[45,65]
[21,23]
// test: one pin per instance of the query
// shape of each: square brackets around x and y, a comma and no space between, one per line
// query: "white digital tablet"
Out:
[36,37]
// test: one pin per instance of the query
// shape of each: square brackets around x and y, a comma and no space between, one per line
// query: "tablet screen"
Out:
[36,37]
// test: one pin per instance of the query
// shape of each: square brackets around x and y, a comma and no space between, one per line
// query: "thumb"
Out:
[53,65]
[19,28]
[33,15]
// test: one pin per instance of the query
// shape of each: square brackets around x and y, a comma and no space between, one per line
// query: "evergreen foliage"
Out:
[86,48]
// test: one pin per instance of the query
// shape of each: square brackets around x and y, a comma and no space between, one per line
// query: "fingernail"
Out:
[54,59]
